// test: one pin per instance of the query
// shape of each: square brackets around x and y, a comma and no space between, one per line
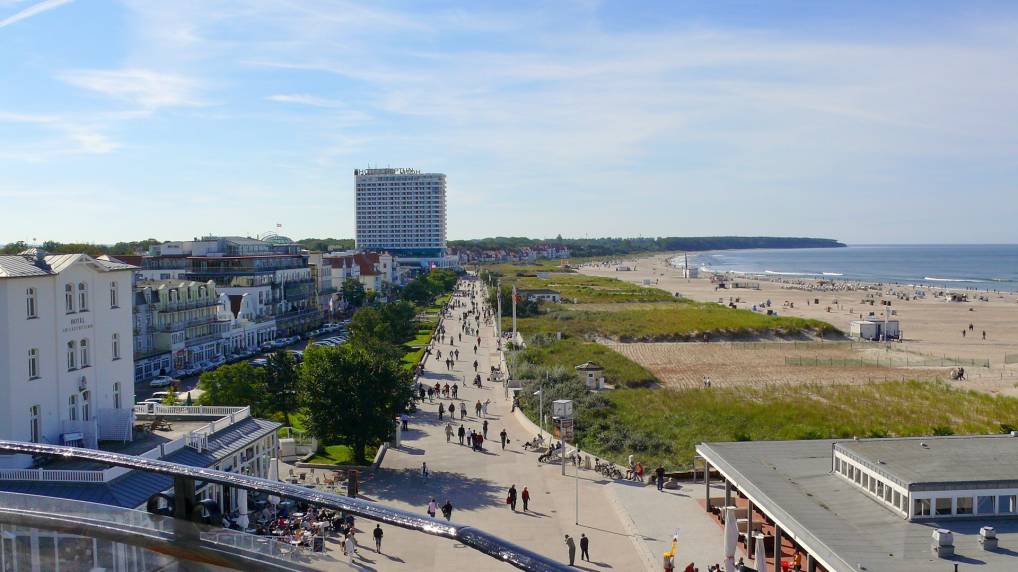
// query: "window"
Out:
[897,499]
[35,424]
[68,298]
[963,505]
[86,406]
[922,507]
[31,303]
[84,353]
[943,507]
[880,488]
[116,395]
[114,295]
[116,346]
[72,353]
[82,297]
[72,407]
[985,505]
[887,493]
[33,363]
[1006,504]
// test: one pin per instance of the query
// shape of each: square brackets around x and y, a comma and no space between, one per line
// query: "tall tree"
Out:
[238,385]
[281,383]
[353,292]
[349,395]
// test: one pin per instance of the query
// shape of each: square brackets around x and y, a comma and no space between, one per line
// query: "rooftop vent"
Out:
[988,538]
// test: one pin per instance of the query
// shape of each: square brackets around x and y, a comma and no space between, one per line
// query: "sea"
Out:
[970,266]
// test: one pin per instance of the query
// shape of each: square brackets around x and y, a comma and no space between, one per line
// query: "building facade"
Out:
[66,365]
[401,211]
[268,287]
[176,326]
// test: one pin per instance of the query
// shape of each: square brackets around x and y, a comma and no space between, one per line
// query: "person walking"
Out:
[504,436]
[424,469]
[475,365]
[441,411]
[659,472]
[463,410]
[447,509]
[484,407]
[448,432]
[462,433]
[378,538]
[571,545]
[432,508]
[404,419]
[511,499]
[525,496]
[484,428]
[351,546]
[477,408]
[584,546]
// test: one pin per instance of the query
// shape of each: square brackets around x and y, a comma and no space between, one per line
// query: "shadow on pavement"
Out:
[408,486]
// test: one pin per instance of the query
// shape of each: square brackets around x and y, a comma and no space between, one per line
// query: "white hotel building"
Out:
[66,364]
[401,211]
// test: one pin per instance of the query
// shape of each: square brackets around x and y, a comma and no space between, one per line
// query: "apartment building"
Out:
[177,326]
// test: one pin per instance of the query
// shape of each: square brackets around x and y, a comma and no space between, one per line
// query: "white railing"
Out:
[196,410]
[63,476]
[197,439]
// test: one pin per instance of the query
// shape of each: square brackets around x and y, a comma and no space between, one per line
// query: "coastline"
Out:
[931,325]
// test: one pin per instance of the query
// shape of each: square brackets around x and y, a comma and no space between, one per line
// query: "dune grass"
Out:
[592,289]
[566,354]
[683,418]
[670,321]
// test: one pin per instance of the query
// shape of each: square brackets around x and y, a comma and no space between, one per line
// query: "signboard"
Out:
[567,430]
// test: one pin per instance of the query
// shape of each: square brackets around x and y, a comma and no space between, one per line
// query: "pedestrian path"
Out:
[476,483]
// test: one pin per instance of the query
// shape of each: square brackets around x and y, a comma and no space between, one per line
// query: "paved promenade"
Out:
[477,482]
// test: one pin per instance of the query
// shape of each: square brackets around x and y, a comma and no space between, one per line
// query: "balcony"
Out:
[179,325]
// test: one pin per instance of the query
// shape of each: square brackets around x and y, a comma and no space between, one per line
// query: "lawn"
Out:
[340,455]
[670,321]
[565,354]
[683,418]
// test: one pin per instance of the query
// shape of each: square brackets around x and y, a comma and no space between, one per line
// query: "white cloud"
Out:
[76,137]
[304,99]
[144,88]
[33,10]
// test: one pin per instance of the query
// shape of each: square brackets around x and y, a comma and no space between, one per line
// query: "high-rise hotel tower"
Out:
[401,211]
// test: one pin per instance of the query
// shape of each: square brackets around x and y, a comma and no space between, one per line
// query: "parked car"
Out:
[162,381]
[259,362]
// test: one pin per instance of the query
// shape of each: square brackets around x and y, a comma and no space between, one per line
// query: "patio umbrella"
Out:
[761,554]
[731,538]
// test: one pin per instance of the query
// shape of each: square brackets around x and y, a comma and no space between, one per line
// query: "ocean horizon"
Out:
[970,266]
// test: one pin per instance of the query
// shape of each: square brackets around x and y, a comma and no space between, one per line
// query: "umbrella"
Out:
[731,538]
[761,553]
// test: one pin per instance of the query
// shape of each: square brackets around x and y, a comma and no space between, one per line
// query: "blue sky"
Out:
[862,121]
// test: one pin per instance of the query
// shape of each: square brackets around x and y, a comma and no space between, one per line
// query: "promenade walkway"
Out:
[477,482]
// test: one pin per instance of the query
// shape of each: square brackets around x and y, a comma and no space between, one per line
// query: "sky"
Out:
[868,122]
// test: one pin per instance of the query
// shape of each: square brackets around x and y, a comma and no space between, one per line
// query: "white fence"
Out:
[197,439]
[196,410]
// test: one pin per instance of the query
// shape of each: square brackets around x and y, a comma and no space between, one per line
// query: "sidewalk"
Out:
[476,482]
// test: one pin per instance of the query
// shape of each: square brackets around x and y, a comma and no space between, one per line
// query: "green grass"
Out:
[592,289]
[340,455]
[672,321]
[565,354]
[683,418]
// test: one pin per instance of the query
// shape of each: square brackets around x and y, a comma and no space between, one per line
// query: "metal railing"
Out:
[475,538]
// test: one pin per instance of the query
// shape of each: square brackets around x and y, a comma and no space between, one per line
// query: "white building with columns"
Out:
[66,362]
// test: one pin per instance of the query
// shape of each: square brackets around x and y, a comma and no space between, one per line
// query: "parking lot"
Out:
[338,334]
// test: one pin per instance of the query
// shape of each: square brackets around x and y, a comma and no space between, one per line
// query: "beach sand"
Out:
[931,326]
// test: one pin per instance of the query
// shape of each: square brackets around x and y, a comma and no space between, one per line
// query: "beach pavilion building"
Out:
[895,505]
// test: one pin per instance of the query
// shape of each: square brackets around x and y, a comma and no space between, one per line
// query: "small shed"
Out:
[875,329]
[591,374]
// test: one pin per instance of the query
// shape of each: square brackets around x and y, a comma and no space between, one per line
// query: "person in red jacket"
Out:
[526,498]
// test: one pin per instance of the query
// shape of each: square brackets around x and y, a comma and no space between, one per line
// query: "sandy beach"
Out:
[931,325]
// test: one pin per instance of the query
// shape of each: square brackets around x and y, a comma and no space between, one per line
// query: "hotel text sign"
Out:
[76,325]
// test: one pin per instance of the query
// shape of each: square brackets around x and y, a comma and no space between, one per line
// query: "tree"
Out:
[171,396]
[237,385]
[418,291]
[353,292]
[400,321]
[281,383]
[349,395]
